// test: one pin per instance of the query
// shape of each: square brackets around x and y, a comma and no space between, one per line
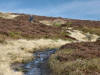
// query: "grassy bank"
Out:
[77,59]
[21,51]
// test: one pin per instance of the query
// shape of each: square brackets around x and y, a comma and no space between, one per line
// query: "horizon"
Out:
[72,9]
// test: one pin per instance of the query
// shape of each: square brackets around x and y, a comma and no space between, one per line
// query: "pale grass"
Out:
[21,51]
[8,15]
[54,22]
[80,36]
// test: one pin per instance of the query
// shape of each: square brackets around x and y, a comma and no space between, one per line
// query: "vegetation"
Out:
[68,24]
[57,24]
[76,59]
[2,40]
[92,30]
[15,34]
[21,51]
[72,59]
[7,15]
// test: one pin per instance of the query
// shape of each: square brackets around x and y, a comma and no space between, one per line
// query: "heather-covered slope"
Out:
[22,34]
[21,27]
[77,59]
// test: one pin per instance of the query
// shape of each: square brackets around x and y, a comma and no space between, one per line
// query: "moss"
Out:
[69,39]
[15,34]
[57,24]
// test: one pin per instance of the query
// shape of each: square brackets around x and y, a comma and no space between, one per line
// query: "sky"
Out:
[74,9]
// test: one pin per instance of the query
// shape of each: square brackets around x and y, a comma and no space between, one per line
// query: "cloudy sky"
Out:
[76,9]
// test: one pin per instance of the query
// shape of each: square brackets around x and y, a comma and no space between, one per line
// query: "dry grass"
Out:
[56,22]
[8,15]
[77,67]
[81,36]
[21,51]
[92,30]
[77,59]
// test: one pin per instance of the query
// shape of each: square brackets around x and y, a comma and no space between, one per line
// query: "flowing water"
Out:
[39,65]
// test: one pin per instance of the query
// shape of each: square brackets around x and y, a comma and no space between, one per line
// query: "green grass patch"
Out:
[57,24]
[15,34]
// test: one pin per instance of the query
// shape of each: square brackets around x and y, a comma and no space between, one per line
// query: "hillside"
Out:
[22,35]
[77,58]
[21,26]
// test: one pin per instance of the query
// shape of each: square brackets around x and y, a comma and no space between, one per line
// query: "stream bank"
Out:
[39,66]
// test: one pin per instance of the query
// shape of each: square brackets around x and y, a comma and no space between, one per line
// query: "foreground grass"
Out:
[76,59]
[20,51]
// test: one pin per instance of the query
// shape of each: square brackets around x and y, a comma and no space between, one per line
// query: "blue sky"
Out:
[76,9]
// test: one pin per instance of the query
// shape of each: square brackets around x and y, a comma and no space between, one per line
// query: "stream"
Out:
[39,65]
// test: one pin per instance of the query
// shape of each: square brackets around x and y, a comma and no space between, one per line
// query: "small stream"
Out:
[39,65]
